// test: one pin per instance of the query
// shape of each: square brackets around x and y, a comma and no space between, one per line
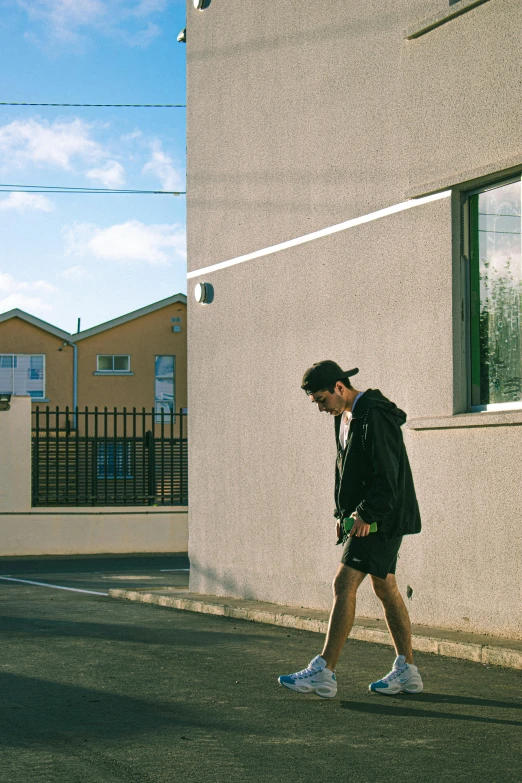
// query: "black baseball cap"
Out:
[323,375]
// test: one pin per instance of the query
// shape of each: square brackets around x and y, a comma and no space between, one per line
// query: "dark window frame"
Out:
[469,229]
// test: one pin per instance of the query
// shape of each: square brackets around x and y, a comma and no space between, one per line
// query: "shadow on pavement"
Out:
[395,711]
[474,701]
[50,713]
[123,632]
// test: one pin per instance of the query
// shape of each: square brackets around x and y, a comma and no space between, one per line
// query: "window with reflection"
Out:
[23,375]
[496,296]
[164,388]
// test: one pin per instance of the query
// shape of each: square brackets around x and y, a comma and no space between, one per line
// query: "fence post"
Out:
[35,471]
[181,477]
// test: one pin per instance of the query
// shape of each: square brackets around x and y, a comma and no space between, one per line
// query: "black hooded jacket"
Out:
[373,474]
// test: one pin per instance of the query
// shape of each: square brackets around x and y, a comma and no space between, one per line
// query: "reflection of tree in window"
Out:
[500,286]
[164,388]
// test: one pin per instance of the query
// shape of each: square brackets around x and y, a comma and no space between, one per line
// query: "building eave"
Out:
[31,319]
[177,298]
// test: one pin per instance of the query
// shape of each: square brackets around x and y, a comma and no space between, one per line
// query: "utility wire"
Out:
[66,189]
[106,105]
[80,192]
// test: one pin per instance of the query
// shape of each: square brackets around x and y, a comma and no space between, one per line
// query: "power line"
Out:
[80,192]
[103,190]
[66,189]
[106,105]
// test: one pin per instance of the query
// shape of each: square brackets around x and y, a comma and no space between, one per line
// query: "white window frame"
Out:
[16,355]
[113,371]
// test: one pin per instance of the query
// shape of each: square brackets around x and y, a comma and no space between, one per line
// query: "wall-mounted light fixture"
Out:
[5,402]
[182,36]
[204,293]
[199,4]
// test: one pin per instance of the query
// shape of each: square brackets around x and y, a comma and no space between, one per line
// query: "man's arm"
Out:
[384,440]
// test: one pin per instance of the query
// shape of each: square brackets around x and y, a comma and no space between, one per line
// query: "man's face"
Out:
[330,402]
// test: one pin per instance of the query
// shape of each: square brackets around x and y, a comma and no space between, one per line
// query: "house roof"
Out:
[129,317]
[31,319]
[72,338]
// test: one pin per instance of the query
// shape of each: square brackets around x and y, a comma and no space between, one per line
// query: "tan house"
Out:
[36,360]
[137,360]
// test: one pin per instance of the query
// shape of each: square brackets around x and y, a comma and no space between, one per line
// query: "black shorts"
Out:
[372,554]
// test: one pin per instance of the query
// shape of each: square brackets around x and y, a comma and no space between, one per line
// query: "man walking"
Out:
[375,507]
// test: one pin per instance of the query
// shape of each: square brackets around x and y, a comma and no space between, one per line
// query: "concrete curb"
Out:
[492,654]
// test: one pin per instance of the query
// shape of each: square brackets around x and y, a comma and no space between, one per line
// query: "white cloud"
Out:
[75,273]
[64,17]
[31,304]
[9,284]
[162,166]
[29,296]
[67,21]
[22,202]
[147,7]
[112,174]
[130,241]
[142,38]
[40,142]
[136,134]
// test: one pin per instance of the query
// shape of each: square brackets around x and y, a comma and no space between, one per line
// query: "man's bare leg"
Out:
[342,615]
[397,617]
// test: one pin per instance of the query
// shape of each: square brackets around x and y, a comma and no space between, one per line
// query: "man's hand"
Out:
[359,528]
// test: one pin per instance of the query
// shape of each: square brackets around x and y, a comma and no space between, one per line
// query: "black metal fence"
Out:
[109,458]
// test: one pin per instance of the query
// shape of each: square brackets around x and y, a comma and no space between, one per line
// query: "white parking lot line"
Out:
[55,587]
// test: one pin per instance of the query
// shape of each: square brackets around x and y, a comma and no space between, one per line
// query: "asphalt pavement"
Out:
[101,691]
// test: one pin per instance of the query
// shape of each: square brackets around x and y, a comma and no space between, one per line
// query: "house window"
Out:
[495,284]
[113,460]
[23,375]
[164,388]
[113,363]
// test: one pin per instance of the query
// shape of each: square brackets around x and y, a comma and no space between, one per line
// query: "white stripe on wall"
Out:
[324,232]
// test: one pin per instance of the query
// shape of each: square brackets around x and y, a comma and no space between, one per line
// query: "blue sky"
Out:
[93,257]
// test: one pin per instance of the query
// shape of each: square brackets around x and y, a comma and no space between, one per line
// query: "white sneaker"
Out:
[316,678]
[403,678]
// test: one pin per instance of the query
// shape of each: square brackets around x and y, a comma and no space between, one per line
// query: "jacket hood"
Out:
[372,398]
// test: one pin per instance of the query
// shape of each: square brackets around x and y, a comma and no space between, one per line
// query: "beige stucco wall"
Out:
[87,531]
[300,117]
[143,338]
[15,456]
[466,566]
[19,336]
